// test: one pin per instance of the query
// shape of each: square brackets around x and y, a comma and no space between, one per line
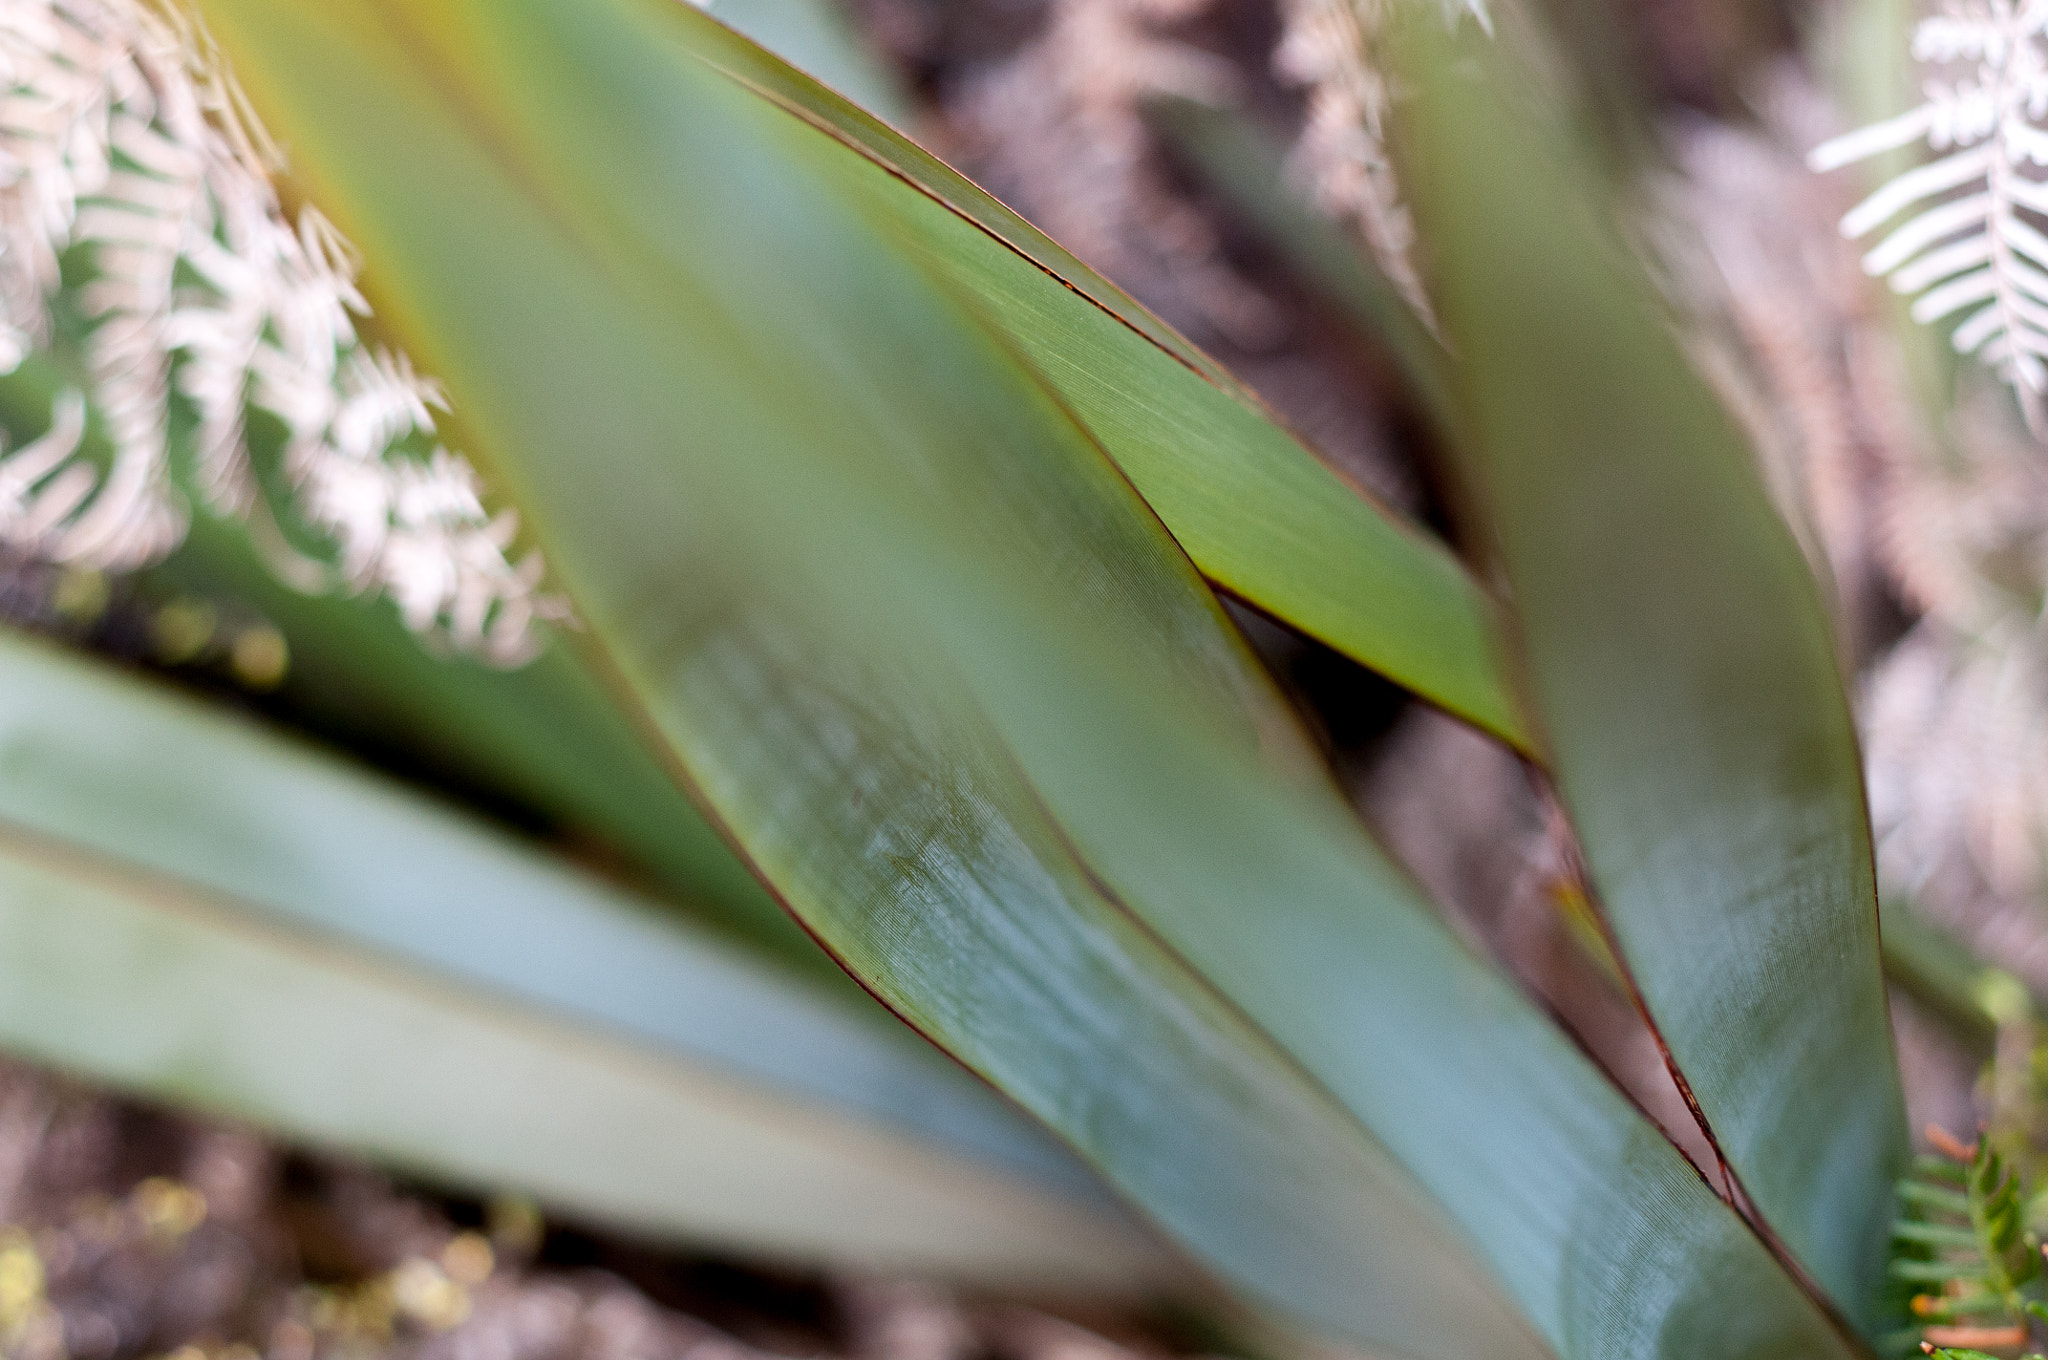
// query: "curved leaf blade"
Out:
[1680,671]
[1259,514]
[545,738]
[119,768]
[183,999]
[963,702]
[196,910]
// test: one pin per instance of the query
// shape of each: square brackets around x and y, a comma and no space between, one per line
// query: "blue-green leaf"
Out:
[1679,669]
[197,909]
[916,642]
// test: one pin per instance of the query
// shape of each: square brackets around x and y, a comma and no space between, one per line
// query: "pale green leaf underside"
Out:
[961,700]
[124,769]
[197,910]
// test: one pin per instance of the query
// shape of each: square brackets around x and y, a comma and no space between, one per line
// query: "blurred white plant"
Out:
[121,133]
[1065,123]
[1331,49]
[1968,242]
[1955,727]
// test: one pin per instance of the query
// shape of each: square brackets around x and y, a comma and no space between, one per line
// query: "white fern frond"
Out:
[121,134]
[1331,49]
[1328,47]
[1963,243]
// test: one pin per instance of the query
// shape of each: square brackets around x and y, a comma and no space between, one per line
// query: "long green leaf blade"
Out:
[1680,671]
[1260,515]
[181,998]
[118,767]
[545,739]
[962,701]
[193,909]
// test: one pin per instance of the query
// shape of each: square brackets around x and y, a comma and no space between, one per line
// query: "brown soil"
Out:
[127,1231]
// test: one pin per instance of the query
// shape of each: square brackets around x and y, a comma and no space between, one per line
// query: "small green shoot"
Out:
[1961,1247]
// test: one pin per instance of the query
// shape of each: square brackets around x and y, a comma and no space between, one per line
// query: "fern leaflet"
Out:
[1966,244]
[1961,1255]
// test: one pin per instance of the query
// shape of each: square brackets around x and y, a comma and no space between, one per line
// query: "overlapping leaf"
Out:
[1680,671]
[545,739]
[195,908]
[1256,511]
[960,699]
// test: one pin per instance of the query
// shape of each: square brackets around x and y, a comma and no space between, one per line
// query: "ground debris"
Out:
[131,1233]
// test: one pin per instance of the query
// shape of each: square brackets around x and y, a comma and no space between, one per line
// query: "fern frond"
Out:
[1331,49]
[1963,243]
[1961,1250]
[136,196]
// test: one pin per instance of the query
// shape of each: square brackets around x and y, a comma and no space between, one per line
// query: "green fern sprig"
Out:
[1961,1247]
